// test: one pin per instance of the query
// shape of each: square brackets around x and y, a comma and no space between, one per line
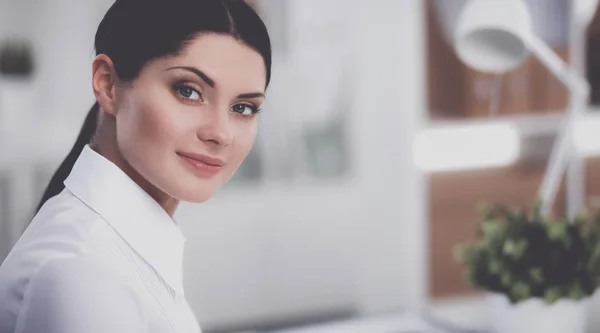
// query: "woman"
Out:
[178,84]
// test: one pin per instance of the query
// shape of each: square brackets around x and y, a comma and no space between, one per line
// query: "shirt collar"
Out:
[134,214]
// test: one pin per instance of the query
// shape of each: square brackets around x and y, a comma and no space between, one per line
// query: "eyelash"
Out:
[179,86]
[254,110]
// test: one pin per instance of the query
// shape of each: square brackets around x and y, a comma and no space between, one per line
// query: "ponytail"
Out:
[85,137]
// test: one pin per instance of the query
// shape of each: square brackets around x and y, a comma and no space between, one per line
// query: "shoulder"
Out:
[79,294]
[76,274]
[64,207]
[64,227]
[63,214]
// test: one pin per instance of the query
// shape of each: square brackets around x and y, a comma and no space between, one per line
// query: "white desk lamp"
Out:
[584,11]
[495,36]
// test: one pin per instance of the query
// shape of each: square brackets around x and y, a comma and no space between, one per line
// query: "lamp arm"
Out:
[558,67]
[580,92]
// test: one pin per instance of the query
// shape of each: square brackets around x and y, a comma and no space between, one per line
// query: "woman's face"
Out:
[188,121]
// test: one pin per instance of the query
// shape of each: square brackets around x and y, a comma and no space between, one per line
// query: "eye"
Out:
[187,92]
[245,109]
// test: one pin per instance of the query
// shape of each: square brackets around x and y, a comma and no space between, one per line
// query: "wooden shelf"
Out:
[527,125]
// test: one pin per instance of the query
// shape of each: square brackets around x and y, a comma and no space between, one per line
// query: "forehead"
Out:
[233,65]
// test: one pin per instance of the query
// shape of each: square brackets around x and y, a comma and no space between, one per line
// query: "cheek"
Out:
[244,140]
[153,124]
[147,133]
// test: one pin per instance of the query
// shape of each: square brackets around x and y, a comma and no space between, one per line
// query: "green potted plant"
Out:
[538,270]
[17,89]
[16,59]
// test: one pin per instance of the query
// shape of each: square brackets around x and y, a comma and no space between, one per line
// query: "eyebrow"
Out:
[211,83]
[199,73]
[251,95]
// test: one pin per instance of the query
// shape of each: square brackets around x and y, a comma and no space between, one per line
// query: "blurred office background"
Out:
[375,146]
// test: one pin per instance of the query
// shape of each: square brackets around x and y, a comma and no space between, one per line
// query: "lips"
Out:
[202,164]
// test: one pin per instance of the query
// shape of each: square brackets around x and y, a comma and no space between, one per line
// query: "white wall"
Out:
[64,37]
[44,113]
[12,14]
[391,43]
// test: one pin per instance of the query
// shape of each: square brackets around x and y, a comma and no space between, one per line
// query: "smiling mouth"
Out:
[201,164]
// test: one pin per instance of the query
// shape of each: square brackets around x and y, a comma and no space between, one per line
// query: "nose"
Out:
[216,128]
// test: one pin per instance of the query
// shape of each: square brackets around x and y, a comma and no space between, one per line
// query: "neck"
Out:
[105,144]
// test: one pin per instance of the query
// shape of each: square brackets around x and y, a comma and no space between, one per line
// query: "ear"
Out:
[104,80]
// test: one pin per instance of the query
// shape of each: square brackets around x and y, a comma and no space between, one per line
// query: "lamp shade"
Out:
[491,35]
[584,11]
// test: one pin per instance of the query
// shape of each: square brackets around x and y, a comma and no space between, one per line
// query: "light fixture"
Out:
[495,36]
[490,35]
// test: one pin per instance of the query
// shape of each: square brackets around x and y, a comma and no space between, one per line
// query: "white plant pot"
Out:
[534,316]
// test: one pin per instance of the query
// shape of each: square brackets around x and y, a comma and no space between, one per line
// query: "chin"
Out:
[198,198]
[196,191]
[196,195]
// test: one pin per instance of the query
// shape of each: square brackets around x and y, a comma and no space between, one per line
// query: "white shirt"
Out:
[102,256]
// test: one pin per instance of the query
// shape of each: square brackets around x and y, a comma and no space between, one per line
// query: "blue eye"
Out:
[187,92]
[245,109]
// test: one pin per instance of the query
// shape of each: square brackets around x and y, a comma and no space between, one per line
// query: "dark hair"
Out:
[134,32]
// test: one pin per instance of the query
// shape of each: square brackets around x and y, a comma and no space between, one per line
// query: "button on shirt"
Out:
[102,256]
